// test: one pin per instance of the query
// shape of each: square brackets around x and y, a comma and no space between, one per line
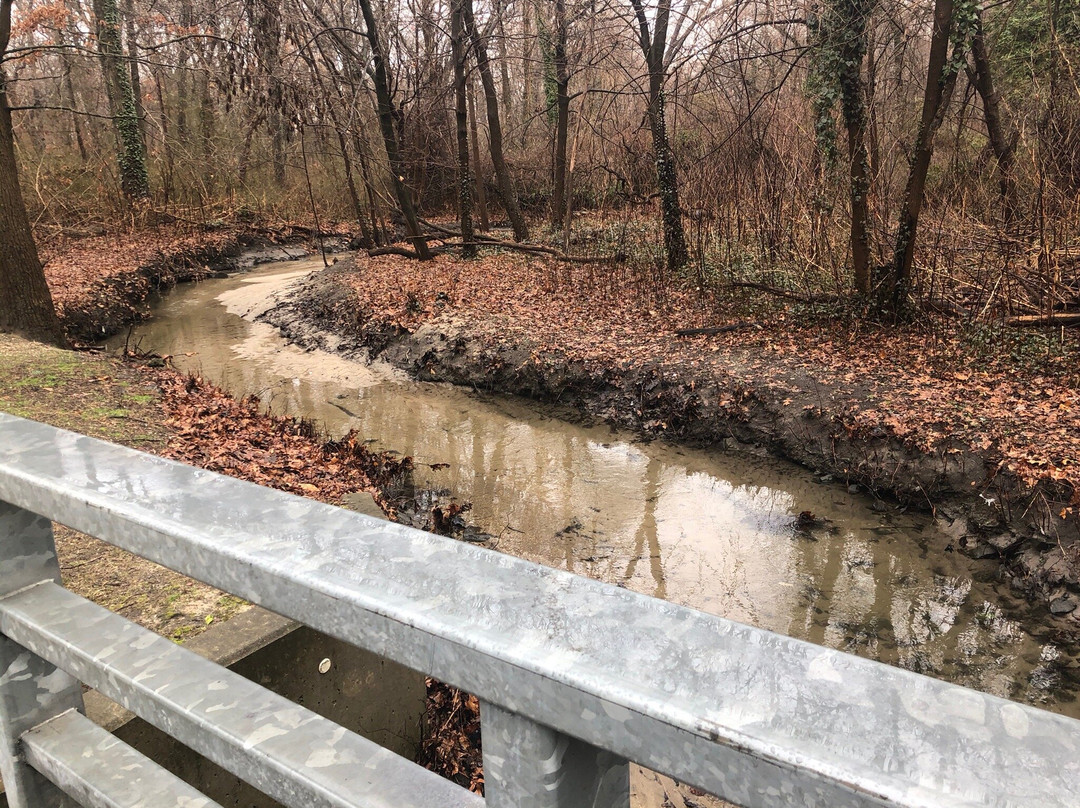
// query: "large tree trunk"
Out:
[381,76]
[133,62]
[939,84]
[26,305]
[461,126]
[562,120]
[134,179]
[265,16]
[495,138]
[653,48]
[1002,135]
[852,49]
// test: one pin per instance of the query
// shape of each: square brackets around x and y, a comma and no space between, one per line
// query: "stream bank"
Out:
[699,395]
[101,284]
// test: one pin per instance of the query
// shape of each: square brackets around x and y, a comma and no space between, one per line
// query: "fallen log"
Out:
[487,241]
[403,251]
[719,329]
[1063,319]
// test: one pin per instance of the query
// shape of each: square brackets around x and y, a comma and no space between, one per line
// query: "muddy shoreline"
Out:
[112,304]
[990,514]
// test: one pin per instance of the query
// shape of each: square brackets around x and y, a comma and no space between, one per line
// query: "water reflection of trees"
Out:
[716,530]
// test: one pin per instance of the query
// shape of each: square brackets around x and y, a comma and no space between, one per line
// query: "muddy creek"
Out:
[714,530]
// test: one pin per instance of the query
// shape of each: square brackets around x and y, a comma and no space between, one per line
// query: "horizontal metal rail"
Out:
[559,660]
[101,771]
[283,749]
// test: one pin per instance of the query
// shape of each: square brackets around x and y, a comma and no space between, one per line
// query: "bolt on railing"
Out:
[575,677]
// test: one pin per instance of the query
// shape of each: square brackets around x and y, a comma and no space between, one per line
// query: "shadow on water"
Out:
[746,537]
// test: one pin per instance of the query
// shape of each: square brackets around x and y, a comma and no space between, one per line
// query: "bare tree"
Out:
[504,184]
[940,81]
[653,48]
[461,126]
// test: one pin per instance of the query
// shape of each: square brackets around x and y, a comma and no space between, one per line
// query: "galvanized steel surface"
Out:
[761,719]
[32,690]
[283,749]
[101,771]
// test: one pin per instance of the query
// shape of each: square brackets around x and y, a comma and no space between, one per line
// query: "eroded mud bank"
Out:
[989,513]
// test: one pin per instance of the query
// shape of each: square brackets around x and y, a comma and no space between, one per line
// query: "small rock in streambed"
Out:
[981,550]
[474,536]
[1062,606]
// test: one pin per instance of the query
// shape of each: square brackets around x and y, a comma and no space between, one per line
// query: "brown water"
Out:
[713,530]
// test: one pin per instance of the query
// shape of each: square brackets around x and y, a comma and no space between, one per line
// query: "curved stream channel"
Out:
[713,530]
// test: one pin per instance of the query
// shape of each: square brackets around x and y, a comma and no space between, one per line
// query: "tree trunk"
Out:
[134,179]
[187,22]
[133,62]
[1002,135]
[350,182]
[461,126]
[562,121]
[207,129]
[526,72]
[852,49]
[495,139]
[168,162]
[69,95]
[26,306]
[935,98]
[265,18]
[478,180]
[381,76]
[653,47]
[360,149]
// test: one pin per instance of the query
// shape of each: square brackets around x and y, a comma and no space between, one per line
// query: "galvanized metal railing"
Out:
[575,677]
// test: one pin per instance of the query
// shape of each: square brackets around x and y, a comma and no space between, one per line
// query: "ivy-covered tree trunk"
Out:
[134,178]
[838,48]
[653,47]
[26,306]
[461,127]
[852,50]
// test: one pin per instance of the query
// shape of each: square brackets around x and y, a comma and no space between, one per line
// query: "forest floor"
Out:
[980,426]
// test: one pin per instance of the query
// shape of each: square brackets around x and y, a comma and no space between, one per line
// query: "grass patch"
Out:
[116,401]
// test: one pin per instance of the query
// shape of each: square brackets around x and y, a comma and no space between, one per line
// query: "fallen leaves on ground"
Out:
[214,431]
[78,268]
[451,746]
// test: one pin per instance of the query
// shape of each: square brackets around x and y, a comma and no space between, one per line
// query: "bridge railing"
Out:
[575,677]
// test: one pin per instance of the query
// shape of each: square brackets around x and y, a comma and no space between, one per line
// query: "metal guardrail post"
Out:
[527,765]
[31,689]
